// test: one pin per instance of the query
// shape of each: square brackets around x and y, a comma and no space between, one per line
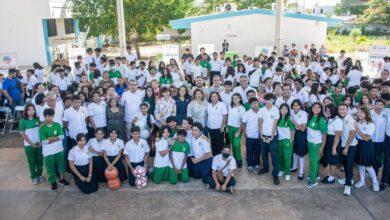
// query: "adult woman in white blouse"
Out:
[197,109]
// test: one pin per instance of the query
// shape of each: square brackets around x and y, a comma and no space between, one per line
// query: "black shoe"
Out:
[276,180]
[262,171]
[293,170]
[383,186]
[301,177]
[239,164]
[54,187]
[64,182]
[325,180]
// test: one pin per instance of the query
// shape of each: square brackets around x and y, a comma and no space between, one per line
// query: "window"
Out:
[69,25]
[51,27]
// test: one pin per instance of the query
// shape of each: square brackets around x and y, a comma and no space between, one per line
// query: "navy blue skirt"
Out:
[365,153]
[85,187]
[99,166]
[330,158]
[120,166]
[300,143]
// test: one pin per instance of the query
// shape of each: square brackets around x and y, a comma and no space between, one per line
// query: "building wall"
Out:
[22,31]
[255,30]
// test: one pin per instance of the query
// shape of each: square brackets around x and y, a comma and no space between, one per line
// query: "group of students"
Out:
[193,120]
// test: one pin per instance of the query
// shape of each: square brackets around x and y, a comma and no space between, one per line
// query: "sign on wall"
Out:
[7,61]
[209,48]
[376,54]
[266,50]
[170,51]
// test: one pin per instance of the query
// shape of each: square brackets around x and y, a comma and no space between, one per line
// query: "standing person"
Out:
[39,72]
[225,46]
[301,93]
[182,100]
[197,109]
[316,139]
[216,120]
[51,135]
[385,180]
[286,96]
[333,142]
[250,129]
[80,162]
[12,90]
[161,161]
[131,100]
[215,67]
[348,145]
[136,153]
[112,153]
[96,147]
[178,158]
[115,117]
[235,115]
[268,119]
[145,121]
[378,116]
[165,107]
[286,132]
[365,128]
[29,130]
[97,111]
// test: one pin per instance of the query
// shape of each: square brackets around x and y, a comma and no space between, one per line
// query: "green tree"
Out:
[210,5]
[353,7]
[378,12]
[143,19]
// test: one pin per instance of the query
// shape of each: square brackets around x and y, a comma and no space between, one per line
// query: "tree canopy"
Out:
[352,7]
[378,12]
[210,5]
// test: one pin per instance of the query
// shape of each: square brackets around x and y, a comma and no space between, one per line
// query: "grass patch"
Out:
[335,43]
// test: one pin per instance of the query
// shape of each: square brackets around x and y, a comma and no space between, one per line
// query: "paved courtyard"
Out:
[256,198]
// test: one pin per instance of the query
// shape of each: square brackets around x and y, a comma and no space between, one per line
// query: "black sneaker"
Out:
[262,171]
[54,187]
[239,164]
[325,180]
[383,186]
[276,180]
[64,182]
[293,170]
[301,177]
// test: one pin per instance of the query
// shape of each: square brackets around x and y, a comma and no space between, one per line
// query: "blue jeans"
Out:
[272,148]
[386,166]
[349,160]
[379,148]
[252,152]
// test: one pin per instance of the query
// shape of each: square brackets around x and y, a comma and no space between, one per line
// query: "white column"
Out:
[121,26]
[278,27]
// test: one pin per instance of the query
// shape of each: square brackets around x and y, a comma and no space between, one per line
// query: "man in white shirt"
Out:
[142,73]
[385,180]
[130,55]
[51,102]
[378,138]
[354,77]
[243,88]
[187,68]
[197,70]
[62,81]
[215,65]
[131,73]
[300,93]
[286,97]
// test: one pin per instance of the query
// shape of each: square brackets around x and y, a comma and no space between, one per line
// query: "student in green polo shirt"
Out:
[29,130]
[286,132]
[113,73]
[165,79]
[204,62]
[51,135]
[251,94]
[161,161]
[316,139]
[178,159]
[336,96]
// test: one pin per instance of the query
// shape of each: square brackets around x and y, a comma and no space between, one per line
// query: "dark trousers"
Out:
[379,148]
[386,165]
[348,164]
[190,166]
[131,176]
[212,74]
[202,170]
[252,152]
[216,138]
[271,148]
[212,184]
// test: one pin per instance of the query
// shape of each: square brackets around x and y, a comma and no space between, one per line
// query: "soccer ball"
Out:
[140,171]
[141,182]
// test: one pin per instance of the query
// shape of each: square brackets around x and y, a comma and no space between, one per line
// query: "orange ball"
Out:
[114,184]
[111,174]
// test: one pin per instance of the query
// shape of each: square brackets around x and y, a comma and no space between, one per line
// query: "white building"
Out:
[35,30]
[246,30]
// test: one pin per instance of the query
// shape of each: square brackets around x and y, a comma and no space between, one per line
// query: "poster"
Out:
[170,51]
[209,48]
[266,50]
[73,53]
[376,54]
[7,61]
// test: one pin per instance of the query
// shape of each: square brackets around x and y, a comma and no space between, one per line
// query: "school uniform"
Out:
[301,95]
[349,159]
[142,123]
[235,116]
[53,152]
[161,163]
[98,113]
[254,78]
[215,115]
[300,141]
[316,127]
[76,121]
[179,151]
[215,69]
[334,125]
[219,164]
[112,150]
[279,101]
[135,152]
[378,137]
[99,165]
[199,147]
[80,157]
[365,150]
[34,154]
[268,117]
[251,123]
[243,91]
[386,164]
[284,127]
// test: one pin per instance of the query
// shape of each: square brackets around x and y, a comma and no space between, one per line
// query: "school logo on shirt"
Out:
[55,132]
[272,116]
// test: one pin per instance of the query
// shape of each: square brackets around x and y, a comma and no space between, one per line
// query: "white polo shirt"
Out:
[80,157]
[380,123]
[62,83]
[251,120]
[348,125]
[200,146]
[98,113]
[254,78]
[334,124]
[131,74]
[215,114]
[141,80]
[112,149]
[197,70]
[226,98]
[160,161]
[215,65]
[136,152]
[366,128]
[235,116]
[354,78]
[268,116]
[301,95]
[131,102]
[300,118]
[76,121]
[243,92]
[219,163]
[96,145]
[279,101]
[58,113]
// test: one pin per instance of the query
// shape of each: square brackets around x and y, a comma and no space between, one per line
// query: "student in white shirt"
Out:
[268,119]
[222,168]
[161,160]
[80,162]
[142,73]
[97,112]
[286,97]
[197,70]
[131,73]
[131,101]
[378,116]
[215,65]
[31,81]
[112,154]
[226,94]
[216,120]
[130,57]
[354,76]
[243,88]
[300,93]
[62,81]
[136,153]
[250,129]
[96,147]
[235,114]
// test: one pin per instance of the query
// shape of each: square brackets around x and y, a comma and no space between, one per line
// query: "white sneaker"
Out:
[360,184]
[375,186]
[35,181]
[257,167]
[280,173]
[347,190]
[341,181]
[287,177]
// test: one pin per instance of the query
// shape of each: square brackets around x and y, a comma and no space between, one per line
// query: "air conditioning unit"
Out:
[226,7]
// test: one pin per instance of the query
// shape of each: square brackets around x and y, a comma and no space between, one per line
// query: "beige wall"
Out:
[255,30]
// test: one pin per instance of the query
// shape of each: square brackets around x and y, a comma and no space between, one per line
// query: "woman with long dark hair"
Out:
[182,100]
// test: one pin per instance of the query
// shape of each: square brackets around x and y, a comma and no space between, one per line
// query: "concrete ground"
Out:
[256,198]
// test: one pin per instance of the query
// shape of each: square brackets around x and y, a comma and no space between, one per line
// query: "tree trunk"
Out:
[137,40]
